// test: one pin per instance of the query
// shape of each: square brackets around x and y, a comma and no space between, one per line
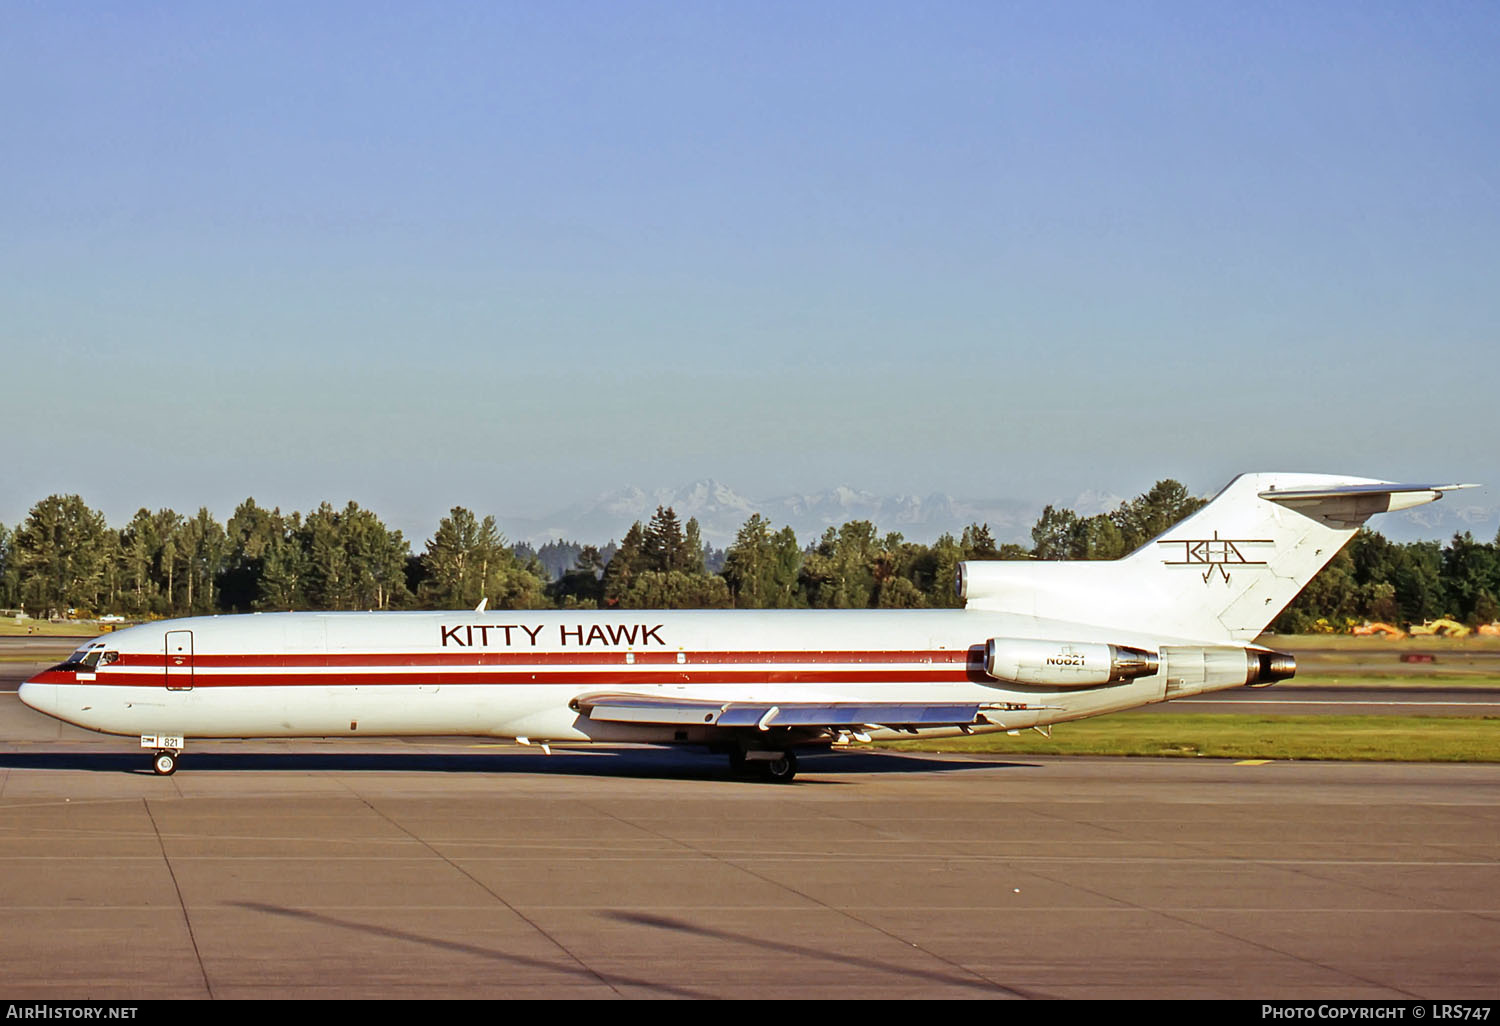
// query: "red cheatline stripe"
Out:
[613,676]
[604,657]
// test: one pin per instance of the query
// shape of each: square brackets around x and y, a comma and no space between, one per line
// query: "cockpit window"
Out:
[107,658]
[83,658]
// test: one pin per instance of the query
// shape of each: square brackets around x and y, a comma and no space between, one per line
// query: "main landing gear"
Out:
[775,767]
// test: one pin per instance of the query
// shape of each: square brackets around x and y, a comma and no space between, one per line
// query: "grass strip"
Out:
[1366,646]
[1236,736]
[1428,679]
[44,629]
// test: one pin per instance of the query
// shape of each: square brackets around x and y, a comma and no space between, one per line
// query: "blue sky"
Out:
[513,255]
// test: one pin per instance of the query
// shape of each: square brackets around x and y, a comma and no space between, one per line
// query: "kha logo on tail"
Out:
[1214,553]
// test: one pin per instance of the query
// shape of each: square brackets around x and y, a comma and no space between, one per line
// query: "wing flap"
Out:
[653,710]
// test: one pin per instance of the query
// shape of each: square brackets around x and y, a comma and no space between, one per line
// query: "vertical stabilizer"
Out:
[1226,571]
[1233,566]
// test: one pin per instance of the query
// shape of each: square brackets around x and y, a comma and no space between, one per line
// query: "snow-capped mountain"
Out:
[1440,521]
[721,512]
[1091,503]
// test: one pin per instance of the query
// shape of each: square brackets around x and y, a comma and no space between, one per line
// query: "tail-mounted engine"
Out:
[1065,664]
[1188,669]
[1191,669]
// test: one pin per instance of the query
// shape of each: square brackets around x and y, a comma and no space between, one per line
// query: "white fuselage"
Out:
[517,673]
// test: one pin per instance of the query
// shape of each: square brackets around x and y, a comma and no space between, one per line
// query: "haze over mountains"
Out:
[721,511]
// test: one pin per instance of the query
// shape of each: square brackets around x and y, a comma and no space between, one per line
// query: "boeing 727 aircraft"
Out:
[1036,643]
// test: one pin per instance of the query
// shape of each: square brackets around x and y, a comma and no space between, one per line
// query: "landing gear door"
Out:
[179,660]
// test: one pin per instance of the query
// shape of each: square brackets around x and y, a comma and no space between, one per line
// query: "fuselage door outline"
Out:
[179,652]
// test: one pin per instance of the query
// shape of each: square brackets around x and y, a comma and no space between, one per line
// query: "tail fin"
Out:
[1226,571]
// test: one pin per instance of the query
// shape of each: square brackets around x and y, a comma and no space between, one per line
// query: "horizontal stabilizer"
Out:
[1350,505]
[645,709]
[1283,494]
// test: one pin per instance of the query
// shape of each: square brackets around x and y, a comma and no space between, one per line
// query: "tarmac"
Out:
[433,868]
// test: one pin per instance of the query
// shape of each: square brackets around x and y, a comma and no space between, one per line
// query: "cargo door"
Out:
[179,660]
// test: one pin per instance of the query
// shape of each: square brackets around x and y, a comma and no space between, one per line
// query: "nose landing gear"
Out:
[165,748]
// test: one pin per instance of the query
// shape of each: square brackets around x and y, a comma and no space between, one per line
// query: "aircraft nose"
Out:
[41,697]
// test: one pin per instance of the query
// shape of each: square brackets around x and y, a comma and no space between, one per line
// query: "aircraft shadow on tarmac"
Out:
[576,970]
[638,763]
[807,953]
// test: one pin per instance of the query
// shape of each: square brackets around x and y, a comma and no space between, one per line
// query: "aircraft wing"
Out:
[651,709]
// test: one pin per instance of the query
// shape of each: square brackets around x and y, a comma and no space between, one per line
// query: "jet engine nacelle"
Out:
[1191,669]
[1065,664]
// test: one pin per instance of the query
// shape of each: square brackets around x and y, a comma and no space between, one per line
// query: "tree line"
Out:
[65,557]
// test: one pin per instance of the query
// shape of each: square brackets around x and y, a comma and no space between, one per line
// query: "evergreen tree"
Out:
[900,593]
[467,560]
[839,572]
[628,560]
[1063,534]
[664,547]
[111,575]
[748,565]
[938,577]
[783,588]
[1418,577]
[283,569]
[675,589]
[762,569]
[60,554]
[1148,515]
[203,550]
[377,560]
[978,543]
[136,556]
[249,535]
[556,557]
[582,586]
[1055,534]
[693,549]
[1471,574]
[458,558]
[9,592]
[328,577]
[165,525]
